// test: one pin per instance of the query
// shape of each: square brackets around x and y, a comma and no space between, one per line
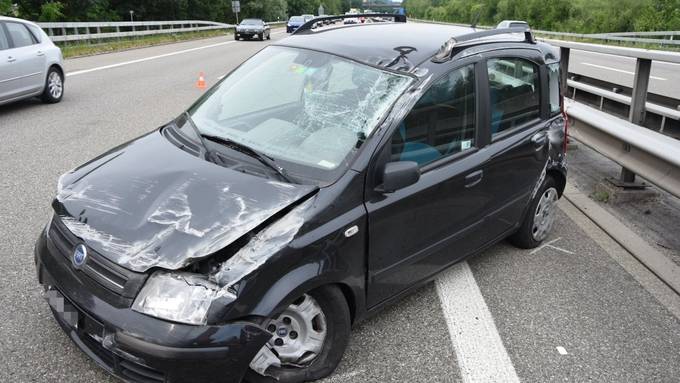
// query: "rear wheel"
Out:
[309,339]
[54,86]
[540,218]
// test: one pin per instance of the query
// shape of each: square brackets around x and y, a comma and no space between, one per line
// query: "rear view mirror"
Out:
[398,175]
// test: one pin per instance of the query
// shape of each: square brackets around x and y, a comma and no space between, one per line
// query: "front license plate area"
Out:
[66,312]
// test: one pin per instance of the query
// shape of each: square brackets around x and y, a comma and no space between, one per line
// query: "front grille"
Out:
[99,269]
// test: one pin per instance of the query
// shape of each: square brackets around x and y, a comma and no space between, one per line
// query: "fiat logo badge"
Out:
[79,256]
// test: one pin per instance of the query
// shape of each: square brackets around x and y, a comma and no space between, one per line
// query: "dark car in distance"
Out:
[294,23]
[315,184]
[251,28]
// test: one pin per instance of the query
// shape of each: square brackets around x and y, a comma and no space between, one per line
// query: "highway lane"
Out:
[621,70]
[582,300]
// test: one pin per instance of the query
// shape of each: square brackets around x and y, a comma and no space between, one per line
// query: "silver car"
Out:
[30,64]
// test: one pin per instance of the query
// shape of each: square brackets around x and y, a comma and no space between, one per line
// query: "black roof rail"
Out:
[444,53]
[398,18]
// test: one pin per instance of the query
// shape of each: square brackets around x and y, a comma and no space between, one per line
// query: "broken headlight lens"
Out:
[177,296]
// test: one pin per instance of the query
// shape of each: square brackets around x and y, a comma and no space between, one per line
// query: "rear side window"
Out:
[20,35]
[4,43]
[554,84]
[442,122]
[514,93]
[36,32]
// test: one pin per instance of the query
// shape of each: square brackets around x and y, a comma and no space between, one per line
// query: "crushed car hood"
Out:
[150,204]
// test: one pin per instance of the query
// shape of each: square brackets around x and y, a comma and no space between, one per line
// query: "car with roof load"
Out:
[512,24]
[30,64]
[314,185]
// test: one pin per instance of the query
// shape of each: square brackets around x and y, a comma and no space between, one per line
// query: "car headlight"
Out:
[178,297]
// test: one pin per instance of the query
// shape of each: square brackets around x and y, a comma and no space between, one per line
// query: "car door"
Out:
[418,230]
[5,93]
[25,61]
[519,143]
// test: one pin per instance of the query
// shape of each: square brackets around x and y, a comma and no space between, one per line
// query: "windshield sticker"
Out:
[465,144]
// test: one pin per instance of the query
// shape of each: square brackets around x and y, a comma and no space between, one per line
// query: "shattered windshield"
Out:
[304,108]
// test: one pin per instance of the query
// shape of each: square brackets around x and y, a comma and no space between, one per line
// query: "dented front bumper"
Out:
[136,347]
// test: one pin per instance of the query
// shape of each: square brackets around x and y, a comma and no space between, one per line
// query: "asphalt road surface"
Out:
[579,309]
[663,81]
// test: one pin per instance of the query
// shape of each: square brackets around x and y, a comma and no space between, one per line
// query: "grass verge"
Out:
[77,49]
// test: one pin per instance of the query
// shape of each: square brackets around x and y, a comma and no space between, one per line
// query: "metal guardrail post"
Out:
[564,68]
[643,69]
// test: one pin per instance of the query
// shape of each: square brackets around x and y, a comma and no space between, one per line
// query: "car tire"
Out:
[269,36]
[338,324]
[54,86]
[539,218]
[236,37]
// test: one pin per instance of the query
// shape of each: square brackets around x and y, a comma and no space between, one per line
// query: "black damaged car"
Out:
[315,184]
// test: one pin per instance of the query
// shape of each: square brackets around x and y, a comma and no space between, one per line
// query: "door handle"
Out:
[41,53]
[11,59]
[474,178]
[538,139]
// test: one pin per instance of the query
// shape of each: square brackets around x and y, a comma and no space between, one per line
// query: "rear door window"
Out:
[20,35]
[4,42]
[514,93]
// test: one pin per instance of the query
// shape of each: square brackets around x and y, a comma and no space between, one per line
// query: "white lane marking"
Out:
[622,57]
[79,72]
[550,245]
[479,349]
[561,350]
[621,71]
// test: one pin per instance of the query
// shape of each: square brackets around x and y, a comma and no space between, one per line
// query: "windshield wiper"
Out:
[263,158]
[208,155]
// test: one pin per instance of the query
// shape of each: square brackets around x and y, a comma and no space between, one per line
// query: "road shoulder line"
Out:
[143,59]
[478,346]
[665,271]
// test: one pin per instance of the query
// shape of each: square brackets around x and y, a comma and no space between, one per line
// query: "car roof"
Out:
[377,43]
[6,18]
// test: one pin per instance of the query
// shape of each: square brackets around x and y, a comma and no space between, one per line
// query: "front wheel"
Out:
[540,217]
[269,36]
[308,339]
[54,87]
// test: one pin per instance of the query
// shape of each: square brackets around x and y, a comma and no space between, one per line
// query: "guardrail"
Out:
[663,111]
[637,149]
[631,37]
[83,31]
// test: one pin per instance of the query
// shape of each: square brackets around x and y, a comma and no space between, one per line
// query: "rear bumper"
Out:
[136,347]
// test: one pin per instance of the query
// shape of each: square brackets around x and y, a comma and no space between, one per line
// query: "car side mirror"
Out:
[398,175]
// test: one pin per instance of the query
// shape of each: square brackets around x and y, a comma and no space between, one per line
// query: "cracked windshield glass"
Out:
[300,106]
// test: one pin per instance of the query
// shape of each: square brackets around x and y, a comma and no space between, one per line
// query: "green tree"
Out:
[51,11]
[6,8]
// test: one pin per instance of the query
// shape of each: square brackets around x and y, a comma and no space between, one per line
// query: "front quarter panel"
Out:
[320,254]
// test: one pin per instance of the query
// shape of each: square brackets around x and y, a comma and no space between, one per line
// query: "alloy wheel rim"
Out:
[55,85]
[544,216]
